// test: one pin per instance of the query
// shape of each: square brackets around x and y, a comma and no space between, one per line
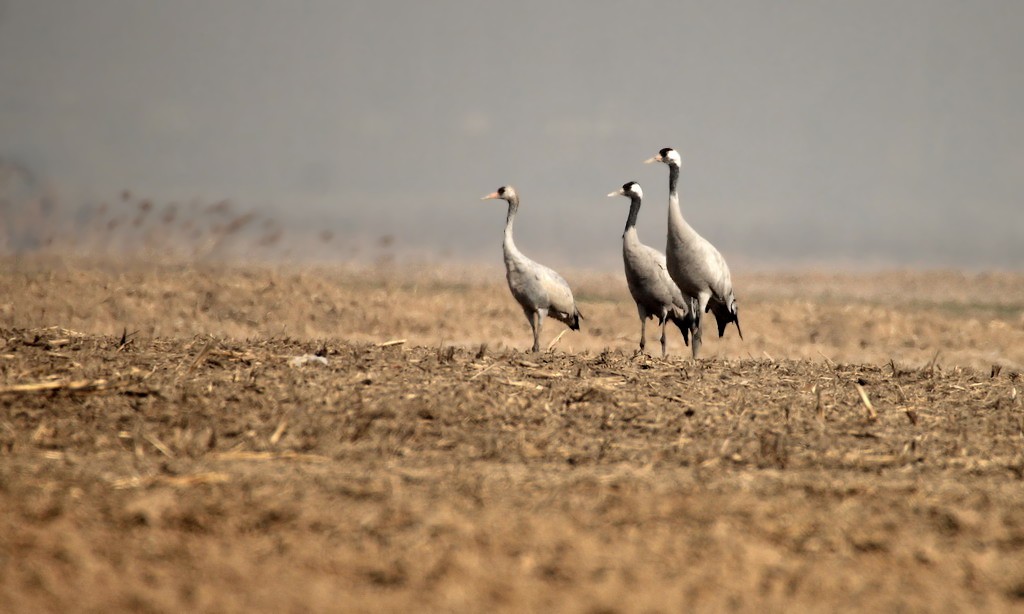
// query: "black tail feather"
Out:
[575,323]
[723,316]
[685,323]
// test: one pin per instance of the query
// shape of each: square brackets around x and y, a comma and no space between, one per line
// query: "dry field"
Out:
[160,450]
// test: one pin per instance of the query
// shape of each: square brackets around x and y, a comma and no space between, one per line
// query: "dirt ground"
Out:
[291,439]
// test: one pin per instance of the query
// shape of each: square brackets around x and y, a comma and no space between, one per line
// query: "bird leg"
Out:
[695,330]
[535,323]
[643,333]
[664,338]
[695,338]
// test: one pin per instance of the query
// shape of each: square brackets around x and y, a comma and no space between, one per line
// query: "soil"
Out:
[184,437]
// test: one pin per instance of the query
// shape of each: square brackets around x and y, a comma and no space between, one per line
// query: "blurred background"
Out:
[813,134]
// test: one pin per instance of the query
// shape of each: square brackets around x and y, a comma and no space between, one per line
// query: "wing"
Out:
[723,301]
[559,294]
[660,268]
[715,271]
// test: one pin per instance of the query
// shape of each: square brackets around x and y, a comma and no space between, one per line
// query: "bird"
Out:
[539,290]
[695,265]
[654,292]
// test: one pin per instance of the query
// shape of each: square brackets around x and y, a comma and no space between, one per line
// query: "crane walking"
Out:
[654,292]
[695,265]
[539,290]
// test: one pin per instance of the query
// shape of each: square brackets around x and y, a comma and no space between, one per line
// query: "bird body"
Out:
[539,290]
[647,277]
[694,264]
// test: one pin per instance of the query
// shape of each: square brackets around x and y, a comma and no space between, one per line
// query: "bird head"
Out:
[666,156]
[630,189]
[505,192]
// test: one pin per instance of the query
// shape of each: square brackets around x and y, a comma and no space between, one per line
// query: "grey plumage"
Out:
[539,290]
[652,288]
[695,265]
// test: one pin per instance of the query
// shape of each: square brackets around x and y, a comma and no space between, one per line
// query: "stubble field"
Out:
[225,438]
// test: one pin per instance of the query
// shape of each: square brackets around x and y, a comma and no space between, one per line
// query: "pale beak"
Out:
[656,158]
[490,196]
[616,193]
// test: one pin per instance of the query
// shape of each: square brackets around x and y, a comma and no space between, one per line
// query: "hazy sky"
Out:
[821,132]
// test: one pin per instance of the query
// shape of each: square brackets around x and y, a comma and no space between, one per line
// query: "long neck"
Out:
[509,244]
[634,210]
[676,224]
[673,184]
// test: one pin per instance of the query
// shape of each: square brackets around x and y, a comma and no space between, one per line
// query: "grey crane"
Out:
[539,290]
[695,265]
[654,292]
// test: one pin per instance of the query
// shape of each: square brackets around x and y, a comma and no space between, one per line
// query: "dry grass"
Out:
[35,220]
[968,320]
[862,449]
